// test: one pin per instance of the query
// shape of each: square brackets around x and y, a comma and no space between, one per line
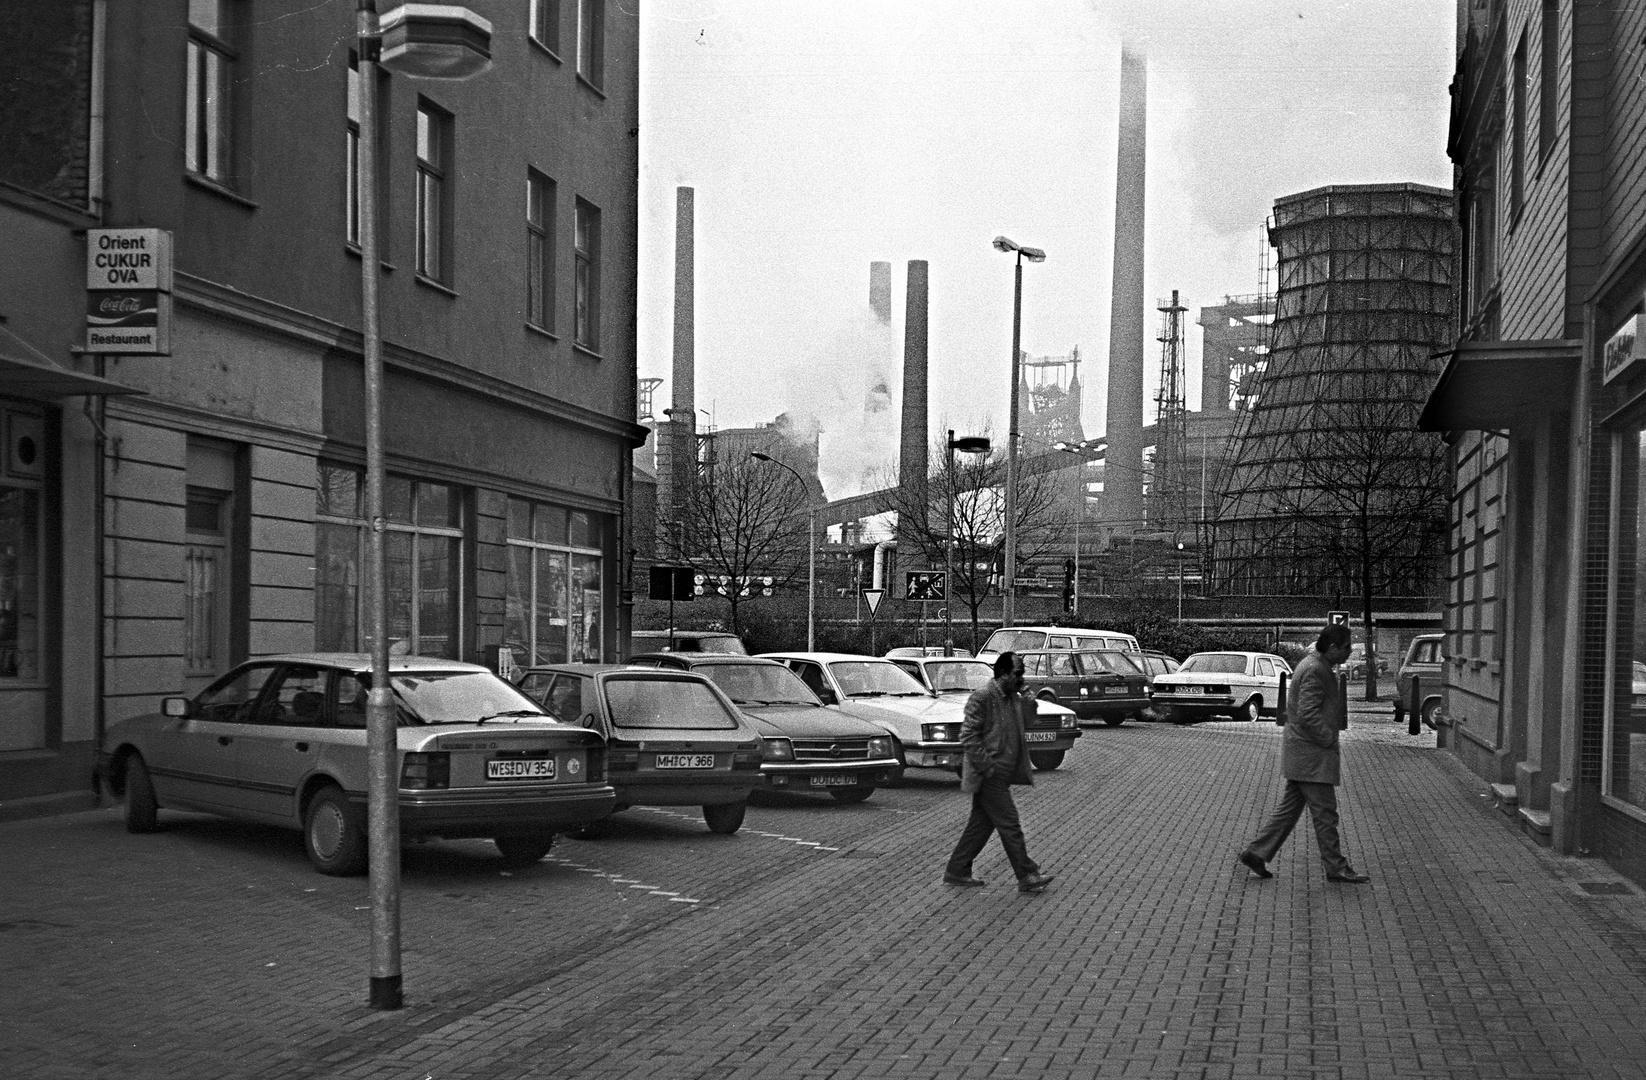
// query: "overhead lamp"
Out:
[1033,254]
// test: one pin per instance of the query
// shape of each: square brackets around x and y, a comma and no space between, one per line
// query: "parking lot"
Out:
[819,942]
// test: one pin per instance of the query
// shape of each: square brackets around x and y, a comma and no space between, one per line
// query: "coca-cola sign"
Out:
[132,321]
[135,308]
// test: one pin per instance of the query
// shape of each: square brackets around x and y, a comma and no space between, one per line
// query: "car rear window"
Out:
[455,697]
[681,704]
[1216,663]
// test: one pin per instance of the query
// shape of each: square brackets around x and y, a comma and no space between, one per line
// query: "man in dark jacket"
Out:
[1309,762]
[997,756]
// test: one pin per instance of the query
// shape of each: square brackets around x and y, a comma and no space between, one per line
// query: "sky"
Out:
[823,136]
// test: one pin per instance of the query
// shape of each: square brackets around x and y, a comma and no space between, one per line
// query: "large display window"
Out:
[554,584]
[1623,773]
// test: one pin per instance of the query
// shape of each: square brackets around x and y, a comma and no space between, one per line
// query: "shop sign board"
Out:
[1623,349]
[128,291]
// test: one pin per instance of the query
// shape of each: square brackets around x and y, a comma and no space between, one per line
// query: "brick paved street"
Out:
[819,941]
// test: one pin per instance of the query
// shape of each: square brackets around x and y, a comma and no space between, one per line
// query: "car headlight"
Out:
[1068,720]
[777,750]
[940,732]
[880,747]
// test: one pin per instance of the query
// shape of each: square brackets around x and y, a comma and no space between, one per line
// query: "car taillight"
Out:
[426,771]
[594,764]
[747,757]
[623,760]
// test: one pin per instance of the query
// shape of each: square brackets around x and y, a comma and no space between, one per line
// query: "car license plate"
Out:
[685,761]
[835,780]
[1121,690]
[1040,736]
[1188,690]
[521,769]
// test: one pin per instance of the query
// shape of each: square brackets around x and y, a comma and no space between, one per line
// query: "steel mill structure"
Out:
[1325,468]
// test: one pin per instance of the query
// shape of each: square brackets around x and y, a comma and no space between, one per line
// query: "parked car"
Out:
[1154,664]
[1426,663]
[926,650]
[672,738]
[708,641]
[1019,638]
[1051,733]
[282,740]
[1355,665]
[1240,685]
[1098,684]
[925,729]
[808,746]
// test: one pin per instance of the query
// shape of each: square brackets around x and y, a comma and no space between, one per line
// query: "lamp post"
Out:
[1008,605]
[811,550]
[1180,581]
[434,41]
[1082,449]
[966,444]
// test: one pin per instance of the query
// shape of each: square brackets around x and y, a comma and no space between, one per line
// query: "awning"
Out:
[44,381]
[1497,385]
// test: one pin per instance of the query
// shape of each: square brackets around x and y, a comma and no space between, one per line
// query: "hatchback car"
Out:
[1098,684]
[282,740]
[1240,685]
[925,729]
[1051,732]
[672,739]
[808,746]
[1426,664]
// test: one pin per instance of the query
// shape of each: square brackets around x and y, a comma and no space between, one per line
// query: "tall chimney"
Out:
[677,442]
[912,447]
[880,291]
[1123,470]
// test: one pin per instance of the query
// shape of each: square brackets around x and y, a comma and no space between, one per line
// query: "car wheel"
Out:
[1046,760]
[1114,721]
[1253,710]
[522,850]
[852,795]
[334,834]
[725,818]
[1047,695]
[1431,709]
[142,811]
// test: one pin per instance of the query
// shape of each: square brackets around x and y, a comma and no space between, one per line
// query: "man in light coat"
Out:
[997,756]
[1309,762]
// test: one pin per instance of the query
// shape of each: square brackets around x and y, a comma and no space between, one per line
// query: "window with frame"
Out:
[591,41]
[539,250]
[1517,131]
[545,24]
[422,564]
[586,250]
[208,118]
[1548,77]
[433,193]
[554,585]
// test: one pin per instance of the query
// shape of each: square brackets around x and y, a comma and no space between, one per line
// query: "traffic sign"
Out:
[1337,618]
[925,585]
[872,597]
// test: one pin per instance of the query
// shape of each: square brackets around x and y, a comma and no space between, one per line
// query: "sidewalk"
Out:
[1472,954]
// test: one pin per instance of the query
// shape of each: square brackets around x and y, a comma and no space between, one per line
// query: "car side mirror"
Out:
[179,707]
[827,696]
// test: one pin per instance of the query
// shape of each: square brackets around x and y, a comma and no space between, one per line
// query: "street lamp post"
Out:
[1008,606]
[1180,581]
[811,550]
[436,41]
[967,444]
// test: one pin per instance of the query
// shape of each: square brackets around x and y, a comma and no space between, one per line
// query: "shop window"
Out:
[1624,762]
[20,586]
[555,585]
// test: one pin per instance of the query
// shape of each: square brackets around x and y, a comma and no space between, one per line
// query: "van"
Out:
[1019,638]
[1425,663]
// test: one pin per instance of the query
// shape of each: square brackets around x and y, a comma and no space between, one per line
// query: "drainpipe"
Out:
[880,558]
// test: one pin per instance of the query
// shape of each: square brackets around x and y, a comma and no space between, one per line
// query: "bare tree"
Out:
[977,488]
[746,521]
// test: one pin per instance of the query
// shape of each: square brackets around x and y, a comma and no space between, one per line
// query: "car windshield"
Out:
[957,675]
[667,703]
[456,697]
[759,684]
[1216,662]
[864,678]
[1099,661]
[1014,640]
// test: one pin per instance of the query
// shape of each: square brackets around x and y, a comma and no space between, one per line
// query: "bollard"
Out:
[1280,700]
[1414,717]
[1343,692]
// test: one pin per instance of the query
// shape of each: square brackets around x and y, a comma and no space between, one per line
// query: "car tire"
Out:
[334,834]
[1431,709]
[1114,721]
[1252,711]
[1046,760]
[852,795]
[142,809]
[521,850]
[725,818]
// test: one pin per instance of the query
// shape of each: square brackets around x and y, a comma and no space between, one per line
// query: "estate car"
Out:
[1098,684]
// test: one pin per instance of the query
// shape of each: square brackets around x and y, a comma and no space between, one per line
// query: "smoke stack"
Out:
[1123,472]
[677,442]
[912,449]
[880,291]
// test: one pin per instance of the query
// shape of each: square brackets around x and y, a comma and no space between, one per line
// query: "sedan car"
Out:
[809,746]
[1051,733]
[925,729]
[282,740]
[1098,684]
[1240,685]
[672,739]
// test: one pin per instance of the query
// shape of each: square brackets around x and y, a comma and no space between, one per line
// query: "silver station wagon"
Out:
[282,740]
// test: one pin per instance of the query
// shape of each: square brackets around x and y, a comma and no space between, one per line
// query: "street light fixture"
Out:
[811,549]
[966,444]
[430,41]
[1008,607]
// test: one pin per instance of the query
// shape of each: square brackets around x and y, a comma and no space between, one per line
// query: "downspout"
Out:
[880,559]
[95,155]
[1564,813]
[95,187]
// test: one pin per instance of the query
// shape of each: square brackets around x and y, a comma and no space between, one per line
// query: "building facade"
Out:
[208,508]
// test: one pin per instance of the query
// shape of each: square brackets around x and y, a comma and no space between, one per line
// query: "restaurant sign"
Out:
[1623,348]
[128,291]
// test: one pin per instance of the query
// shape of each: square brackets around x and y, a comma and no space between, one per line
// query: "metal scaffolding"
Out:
[1167,501]
[1328,488]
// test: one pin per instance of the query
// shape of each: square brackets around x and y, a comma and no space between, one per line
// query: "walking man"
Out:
[997,756]
[1309,762]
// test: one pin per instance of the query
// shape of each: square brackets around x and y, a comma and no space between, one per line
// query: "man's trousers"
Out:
[993,810]
[1321,799]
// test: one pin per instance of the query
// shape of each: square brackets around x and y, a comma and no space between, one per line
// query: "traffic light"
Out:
[1068,584]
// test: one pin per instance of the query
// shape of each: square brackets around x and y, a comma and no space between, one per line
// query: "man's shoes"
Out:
[956,879]
[1349,877]
[1034,883]
[1254,864]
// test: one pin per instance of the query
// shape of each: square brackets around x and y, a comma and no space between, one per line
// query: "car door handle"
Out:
[224,740]
[302,747]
